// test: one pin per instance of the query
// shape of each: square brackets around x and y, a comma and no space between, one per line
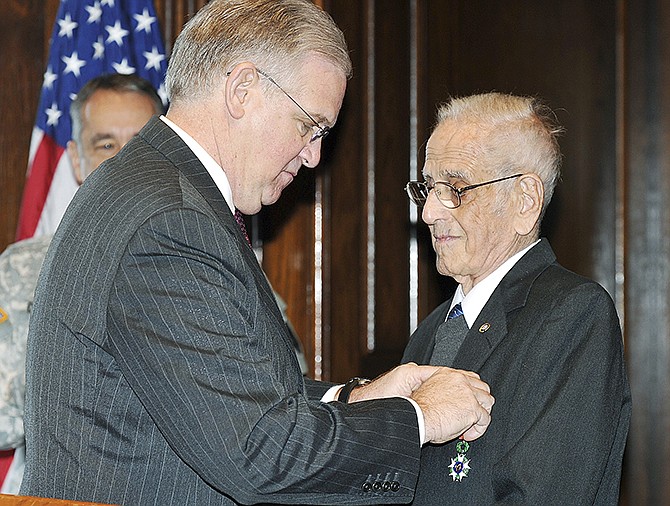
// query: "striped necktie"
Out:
[455,312]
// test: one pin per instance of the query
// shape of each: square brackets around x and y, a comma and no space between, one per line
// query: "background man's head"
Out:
[480,139]
[107,112]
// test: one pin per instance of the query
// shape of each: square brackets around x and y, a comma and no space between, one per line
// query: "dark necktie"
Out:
[240,221]
[449,337]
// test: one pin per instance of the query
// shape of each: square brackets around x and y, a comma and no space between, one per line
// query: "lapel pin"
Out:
[484,327]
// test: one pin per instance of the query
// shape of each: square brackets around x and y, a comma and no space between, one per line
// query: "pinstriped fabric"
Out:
[160,371]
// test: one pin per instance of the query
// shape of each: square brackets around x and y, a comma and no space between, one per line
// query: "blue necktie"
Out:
[455,312]
[449,337]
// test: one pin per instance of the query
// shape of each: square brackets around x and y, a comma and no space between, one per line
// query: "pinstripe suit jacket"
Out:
[549,345]
[160,371]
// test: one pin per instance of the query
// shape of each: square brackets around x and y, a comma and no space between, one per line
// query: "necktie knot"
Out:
[240,221]
[455,312]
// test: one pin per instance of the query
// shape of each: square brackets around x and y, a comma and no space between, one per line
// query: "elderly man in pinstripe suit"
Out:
[160,370]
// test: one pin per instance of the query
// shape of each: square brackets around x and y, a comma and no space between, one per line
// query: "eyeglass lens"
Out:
[418,191]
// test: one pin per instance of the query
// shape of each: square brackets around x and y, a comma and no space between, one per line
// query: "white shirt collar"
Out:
[213,168]
[476,299]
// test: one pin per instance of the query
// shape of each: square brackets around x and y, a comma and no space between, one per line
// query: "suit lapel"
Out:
[165,140]
[491,325]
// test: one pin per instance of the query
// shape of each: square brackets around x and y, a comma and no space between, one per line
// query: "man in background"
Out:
[547,340]
[107,112]
[160,371]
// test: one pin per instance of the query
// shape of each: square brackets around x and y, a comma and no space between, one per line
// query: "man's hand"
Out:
[454,403]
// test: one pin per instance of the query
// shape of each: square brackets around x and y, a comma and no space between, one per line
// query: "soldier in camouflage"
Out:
[19,267]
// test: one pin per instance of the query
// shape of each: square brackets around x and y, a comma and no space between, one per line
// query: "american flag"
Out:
[90,37]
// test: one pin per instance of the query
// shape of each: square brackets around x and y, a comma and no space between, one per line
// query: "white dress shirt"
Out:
[473,303]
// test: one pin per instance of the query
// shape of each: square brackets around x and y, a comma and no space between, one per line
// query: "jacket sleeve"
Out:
[199,343]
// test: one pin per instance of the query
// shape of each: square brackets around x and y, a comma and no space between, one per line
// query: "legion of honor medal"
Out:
[460,466]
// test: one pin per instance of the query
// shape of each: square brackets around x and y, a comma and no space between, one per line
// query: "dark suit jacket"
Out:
[159,368]
[553,357]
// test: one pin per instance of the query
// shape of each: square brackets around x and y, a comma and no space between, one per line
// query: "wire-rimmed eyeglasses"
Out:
[446,193]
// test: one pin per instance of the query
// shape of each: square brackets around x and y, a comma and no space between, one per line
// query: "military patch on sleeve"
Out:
[3,316]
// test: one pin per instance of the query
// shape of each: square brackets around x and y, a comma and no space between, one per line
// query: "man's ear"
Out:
[531,192]
[241,82]
[73,153]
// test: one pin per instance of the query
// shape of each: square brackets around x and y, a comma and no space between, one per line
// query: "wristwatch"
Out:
[349,386]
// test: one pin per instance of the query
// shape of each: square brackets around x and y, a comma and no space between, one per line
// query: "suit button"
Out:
[376,486]
[395,486]
[386,486]
[366,487]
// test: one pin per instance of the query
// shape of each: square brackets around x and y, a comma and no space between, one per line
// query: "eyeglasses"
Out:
[446,193]
[321,131]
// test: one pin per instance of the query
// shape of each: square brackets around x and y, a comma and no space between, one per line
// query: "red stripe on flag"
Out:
[37,186]
[6,457]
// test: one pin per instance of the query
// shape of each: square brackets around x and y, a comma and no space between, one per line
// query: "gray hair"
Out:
[113,82]
[275,35]
[521,134]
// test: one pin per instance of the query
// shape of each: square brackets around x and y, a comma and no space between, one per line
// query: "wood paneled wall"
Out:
[25,28]
[345,249]
[646,156]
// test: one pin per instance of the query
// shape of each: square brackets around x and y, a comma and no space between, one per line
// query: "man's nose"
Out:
[433,209]
[311,154]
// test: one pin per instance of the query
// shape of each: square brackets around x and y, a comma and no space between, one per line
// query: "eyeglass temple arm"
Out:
[473,186]
[289,96]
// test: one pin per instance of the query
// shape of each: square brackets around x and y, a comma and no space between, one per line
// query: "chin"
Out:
[443,269]
[273,197]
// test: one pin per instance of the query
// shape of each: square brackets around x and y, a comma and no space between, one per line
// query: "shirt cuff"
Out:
[329,396]
[420,420]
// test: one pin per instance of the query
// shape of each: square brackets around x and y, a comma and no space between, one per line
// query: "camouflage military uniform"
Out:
[20,265]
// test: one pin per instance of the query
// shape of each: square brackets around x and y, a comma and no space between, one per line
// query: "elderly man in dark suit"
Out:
[547,340]
[160,370]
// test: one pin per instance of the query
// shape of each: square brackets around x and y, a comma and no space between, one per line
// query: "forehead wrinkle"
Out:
[457,162]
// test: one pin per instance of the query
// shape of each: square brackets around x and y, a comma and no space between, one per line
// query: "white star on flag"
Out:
[49,78]
[123,67]
[144,21]
[98,49]
[94,12]
[116,33]
[109,3]
[73,64]
[67,26]
[53,114]
[154,59]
